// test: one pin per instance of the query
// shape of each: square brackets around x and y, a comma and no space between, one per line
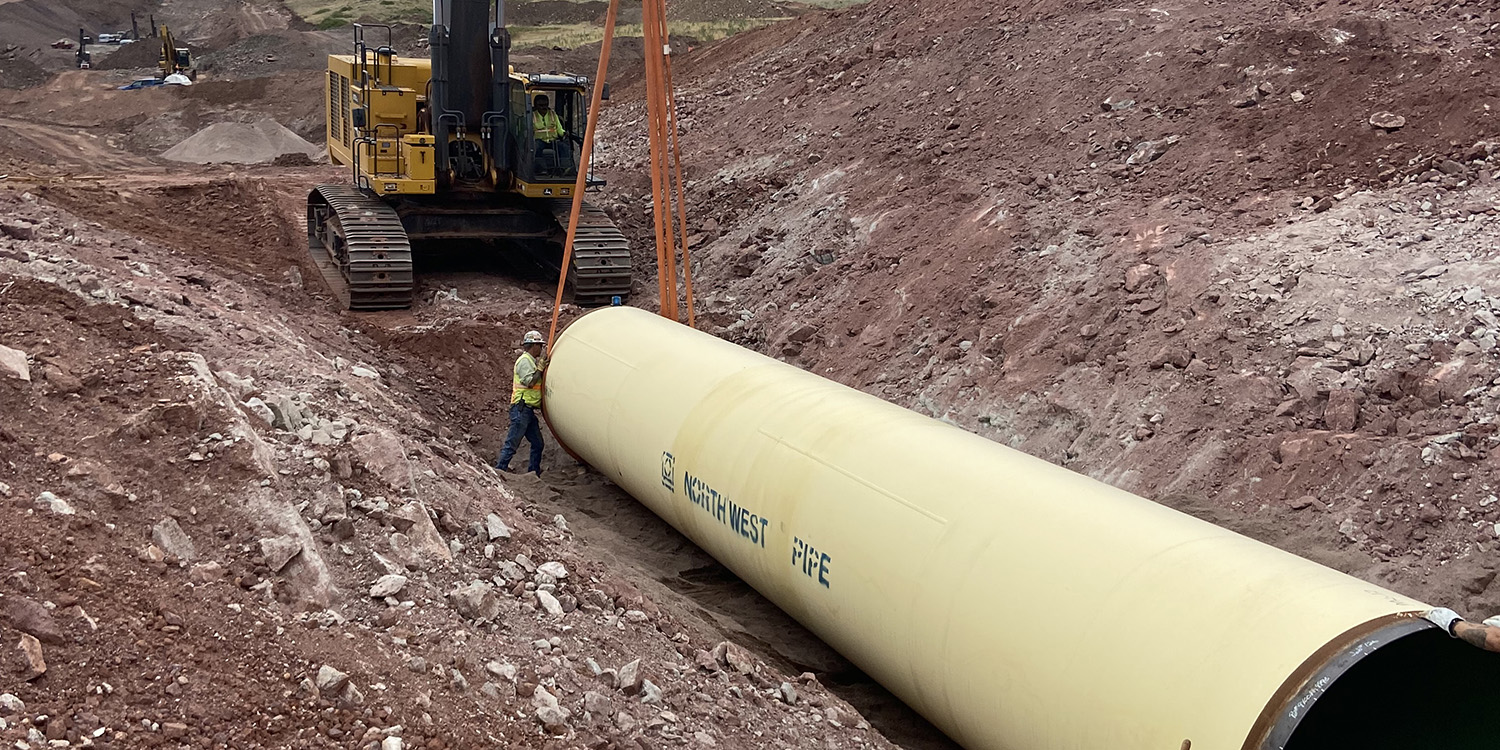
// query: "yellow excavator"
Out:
[458,149]
[172,58]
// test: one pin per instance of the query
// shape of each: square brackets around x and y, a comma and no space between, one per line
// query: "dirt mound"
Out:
[265,54]
[38,23]
[241,143]
[18,72]
[136,55]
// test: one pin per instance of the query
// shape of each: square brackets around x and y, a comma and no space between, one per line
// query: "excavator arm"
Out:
[173,59]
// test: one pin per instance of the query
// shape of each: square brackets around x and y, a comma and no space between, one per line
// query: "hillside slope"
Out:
[1160,244]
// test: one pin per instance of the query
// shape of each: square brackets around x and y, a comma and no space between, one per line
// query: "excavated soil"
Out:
[1161,245]
[20,72]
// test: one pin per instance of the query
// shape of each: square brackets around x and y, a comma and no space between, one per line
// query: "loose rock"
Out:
[388,585]
[330,681]
[279,551]
[553,717]
[1302,503]
[420,544]
[32,663]
[206,572]
[30,617]
[171,539]
[13,364]
[476,601]
[50,502]
[549,603]
[598,705]
[630,678]
[501,670]
[261,410]
[495,527]
[1387,121]
[10,705]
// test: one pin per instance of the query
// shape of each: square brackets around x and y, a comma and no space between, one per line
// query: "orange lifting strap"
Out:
[666,166]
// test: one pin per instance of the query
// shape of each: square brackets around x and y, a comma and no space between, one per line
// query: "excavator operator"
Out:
[548,129]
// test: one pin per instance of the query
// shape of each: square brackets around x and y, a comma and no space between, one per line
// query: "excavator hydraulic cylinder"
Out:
[1015,604]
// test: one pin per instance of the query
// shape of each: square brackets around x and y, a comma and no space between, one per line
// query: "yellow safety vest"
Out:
[531,395]
[547,126]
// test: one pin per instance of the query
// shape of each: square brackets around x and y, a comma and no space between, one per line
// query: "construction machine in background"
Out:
[174,59]
[84,59]
[455,150]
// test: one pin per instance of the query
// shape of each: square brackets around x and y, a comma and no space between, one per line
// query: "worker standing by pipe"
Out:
[525,400]
[1485,635]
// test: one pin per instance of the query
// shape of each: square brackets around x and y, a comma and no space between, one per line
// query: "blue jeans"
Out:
[523,423]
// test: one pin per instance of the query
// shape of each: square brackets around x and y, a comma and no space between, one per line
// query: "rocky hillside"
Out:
[1235,257]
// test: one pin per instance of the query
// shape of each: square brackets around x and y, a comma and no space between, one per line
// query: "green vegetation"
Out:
[330,14]
[569,36]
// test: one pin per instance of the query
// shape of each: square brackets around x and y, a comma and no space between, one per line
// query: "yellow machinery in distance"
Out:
[174,59]
[459,148]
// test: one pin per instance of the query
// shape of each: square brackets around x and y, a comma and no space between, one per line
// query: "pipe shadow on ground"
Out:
[651,551]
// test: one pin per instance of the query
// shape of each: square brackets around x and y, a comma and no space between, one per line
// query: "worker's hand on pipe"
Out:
[1443,618]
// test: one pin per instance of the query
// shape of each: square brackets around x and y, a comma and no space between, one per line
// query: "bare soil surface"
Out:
[1162,245]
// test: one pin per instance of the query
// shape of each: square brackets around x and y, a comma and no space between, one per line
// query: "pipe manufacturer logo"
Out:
[669,472]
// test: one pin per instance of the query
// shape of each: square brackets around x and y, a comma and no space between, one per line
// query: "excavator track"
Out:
[601,256]
[360,248]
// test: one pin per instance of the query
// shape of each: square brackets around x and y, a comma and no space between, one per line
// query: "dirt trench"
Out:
[464,386]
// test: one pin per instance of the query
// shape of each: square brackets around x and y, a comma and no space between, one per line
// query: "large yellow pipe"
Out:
[1015,604]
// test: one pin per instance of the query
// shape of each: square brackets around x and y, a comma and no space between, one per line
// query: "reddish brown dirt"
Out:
[1285,322]
[115,305]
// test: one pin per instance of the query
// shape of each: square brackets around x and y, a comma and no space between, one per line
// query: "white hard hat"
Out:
[533,337]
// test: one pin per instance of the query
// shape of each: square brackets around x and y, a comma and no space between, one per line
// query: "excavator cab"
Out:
[549,128]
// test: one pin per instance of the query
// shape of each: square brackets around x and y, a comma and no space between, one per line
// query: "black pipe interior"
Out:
[1425,690]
